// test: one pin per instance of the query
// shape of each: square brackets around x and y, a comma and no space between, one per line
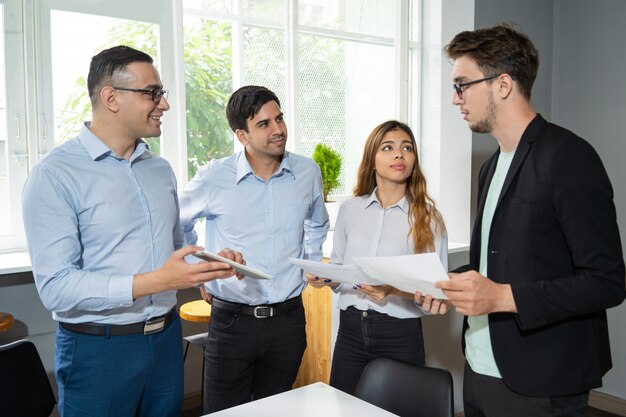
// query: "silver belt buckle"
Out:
[268,309]
[153,326]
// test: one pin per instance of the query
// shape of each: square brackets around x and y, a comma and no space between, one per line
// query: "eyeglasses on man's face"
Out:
[155,94]
[459,88]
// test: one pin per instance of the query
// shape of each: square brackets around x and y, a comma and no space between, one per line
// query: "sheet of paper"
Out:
[348,274]
[408,273]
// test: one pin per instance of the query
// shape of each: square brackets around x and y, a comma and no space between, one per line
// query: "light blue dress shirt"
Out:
[93,220]
[365,228]
[267,221]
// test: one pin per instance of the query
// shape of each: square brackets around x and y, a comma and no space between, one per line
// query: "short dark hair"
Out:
[109,63]
[499,50]
[245,103]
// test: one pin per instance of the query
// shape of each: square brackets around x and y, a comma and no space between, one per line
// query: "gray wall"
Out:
[581,87]
[589,98]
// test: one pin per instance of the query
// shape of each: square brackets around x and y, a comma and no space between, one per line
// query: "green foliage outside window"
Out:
[208,84]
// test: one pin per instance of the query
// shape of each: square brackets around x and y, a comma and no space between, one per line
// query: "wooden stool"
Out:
[6,321]
[198,311]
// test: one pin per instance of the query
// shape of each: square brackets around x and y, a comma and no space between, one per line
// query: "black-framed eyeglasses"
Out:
[460,86]
[155,94]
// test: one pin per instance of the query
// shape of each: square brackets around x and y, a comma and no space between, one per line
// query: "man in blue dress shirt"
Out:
[267,204]
[102,224]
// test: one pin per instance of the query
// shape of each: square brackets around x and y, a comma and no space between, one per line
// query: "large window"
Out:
[339,68]
[13,134]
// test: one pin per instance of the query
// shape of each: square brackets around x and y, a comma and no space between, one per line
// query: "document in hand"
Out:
[408,273]
[347,274]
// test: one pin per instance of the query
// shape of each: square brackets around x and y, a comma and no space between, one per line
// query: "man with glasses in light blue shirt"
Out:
[102,224]
[267,204]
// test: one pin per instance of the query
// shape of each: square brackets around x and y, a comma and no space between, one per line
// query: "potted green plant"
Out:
[329,162]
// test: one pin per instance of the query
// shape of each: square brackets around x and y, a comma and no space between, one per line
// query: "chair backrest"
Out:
[407,390]
[24,386]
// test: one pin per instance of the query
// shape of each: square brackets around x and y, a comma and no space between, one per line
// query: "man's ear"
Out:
[242,136]
[504,83]
[108,98]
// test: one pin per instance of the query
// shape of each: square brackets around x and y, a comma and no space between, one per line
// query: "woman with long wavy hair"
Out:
[390,214]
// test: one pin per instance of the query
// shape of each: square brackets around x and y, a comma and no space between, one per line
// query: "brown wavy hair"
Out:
[422,210]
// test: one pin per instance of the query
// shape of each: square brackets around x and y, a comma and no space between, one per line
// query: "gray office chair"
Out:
[25,390]
[407,390]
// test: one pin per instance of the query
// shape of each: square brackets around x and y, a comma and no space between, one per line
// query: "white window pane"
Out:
[208,85]
[371,17]
[213,6]
[264,9]
[5,196]
[70,65]
[344,94]
[264,61]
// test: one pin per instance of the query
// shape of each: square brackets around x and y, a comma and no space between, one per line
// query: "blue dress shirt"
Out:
[267,221]
[93,220]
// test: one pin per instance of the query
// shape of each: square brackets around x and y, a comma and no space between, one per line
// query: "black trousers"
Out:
[366,335]
[248,358]
[486,396]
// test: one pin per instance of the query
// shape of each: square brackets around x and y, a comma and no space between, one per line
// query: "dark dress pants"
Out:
[248,358]
[366,335]
[486,396]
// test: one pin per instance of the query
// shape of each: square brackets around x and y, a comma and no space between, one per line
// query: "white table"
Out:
[315,400]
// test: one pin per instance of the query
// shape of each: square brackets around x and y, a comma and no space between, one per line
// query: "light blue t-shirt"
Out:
[478,351]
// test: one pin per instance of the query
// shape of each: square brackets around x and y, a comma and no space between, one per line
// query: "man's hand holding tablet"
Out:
[240,268]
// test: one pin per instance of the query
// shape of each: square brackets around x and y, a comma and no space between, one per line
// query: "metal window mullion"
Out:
[293,79]
[401,48]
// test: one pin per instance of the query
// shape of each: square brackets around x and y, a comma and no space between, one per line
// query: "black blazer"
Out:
[554,239]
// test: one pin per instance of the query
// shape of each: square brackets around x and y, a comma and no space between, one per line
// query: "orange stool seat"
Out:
[198,311]
[6,321]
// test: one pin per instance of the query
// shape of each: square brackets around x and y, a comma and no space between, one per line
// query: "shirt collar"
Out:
[244,169]
[97,149]
[402,204]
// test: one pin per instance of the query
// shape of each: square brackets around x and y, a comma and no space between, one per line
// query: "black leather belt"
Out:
[261,311]
[152,326]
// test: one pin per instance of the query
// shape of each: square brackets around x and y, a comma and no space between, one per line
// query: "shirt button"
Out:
[364,314]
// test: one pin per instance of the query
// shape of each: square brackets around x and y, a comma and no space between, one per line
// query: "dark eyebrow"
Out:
[261,122]
[401,143]
[153,87]
[267,120]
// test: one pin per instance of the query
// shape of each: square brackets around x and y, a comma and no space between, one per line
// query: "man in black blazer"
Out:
[545,257]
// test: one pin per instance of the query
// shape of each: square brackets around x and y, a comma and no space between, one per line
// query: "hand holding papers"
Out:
[348,274]
[409,273]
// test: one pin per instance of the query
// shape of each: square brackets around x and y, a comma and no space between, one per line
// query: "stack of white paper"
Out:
[409,273]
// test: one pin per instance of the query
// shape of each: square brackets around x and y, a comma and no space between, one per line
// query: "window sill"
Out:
[11,263]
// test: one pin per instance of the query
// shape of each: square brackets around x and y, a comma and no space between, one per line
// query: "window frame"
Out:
[442,137]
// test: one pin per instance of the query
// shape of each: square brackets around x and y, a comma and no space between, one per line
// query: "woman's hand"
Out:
[319,282]
[377,292]
[431,305]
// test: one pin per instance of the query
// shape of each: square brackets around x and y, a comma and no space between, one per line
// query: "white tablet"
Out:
[242,269]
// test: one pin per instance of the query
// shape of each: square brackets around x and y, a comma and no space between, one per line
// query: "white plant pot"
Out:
[332,207]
